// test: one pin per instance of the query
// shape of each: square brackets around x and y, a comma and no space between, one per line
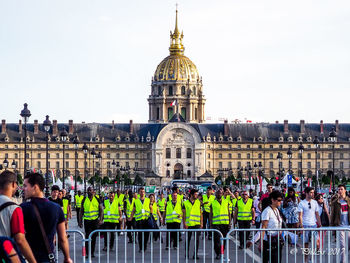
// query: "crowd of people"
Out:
[222,209]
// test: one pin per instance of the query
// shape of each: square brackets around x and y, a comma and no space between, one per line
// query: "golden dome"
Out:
[176,66]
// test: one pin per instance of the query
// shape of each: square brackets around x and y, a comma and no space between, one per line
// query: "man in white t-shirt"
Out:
[309,217]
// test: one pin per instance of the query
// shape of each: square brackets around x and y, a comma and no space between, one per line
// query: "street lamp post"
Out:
[99,157]
[93,154]
[279,158]
[85,150]
[317,144]
[301,150]
[14,165]
[76,147]
[333,138]
[113,176]
[25,114]
[289,154]
[256,181]
[47,126]
[64,136]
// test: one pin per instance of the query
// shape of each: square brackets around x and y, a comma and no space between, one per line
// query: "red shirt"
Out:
[266,195]
[17,222]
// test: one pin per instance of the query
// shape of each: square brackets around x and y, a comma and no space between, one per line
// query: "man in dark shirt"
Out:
[54,195]
[50,213]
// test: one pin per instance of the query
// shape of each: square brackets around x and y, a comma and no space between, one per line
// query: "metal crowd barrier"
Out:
[324,245]
[155,251]
[77,253]
[302,245]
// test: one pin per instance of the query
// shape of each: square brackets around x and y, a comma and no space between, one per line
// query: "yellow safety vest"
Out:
[181,197]
[161,204]
[154,212]
[78,200]
[220,212]
[193,212]
[111,211]
[129,206]
[91,208]
[230,205]
[173,214]
[244,209]
[142,211]
[121,201]
[65,207]
[209,200]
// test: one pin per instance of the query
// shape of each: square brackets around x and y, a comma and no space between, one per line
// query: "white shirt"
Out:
[274,218]
[309,212]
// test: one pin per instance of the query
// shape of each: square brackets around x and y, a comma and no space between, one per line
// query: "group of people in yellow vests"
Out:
[133,211]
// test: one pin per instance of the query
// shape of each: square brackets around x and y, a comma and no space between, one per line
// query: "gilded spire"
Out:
[176,46]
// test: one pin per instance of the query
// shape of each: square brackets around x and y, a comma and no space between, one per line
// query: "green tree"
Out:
[105,180]
[138,180]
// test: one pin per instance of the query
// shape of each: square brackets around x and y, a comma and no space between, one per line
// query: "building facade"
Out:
[176,143]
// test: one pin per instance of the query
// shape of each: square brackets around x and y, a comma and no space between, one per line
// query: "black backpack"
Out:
[4,256]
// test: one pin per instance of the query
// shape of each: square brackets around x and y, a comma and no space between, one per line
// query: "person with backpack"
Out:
[37,209]
[11,216]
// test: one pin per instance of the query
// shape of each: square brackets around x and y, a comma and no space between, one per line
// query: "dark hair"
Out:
[209,188]
[55,187]
[193,191]
[308,189]
[318,197]
[174,189]
[141,188]
[268,185]
[275,194]
[36,178]
[342,185]
[6,178]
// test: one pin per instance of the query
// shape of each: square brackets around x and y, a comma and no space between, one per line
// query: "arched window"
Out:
[159,90]
[170,91]
[188,173]
[194,91]
[183,90]
[170,113]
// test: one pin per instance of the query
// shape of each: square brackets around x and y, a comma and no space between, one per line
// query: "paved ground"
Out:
[125,252]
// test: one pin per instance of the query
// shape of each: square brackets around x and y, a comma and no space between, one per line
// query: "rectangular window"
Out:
[208,155]
[48,165]
[39,146]
[299,165]
[136,164]
[341,156]
[271,146]
[220,146]
[16,155]
[208,164]
[67,156]
[329,165]
[148,155]
[220,155]
[6,155]
[309,155]
[230,155]
[189,153]
[341,165]
[127,164]
[239,156]
[117,155]
[39,165]
[178,153]
[57,155]
[248,155]
[271,155]
[108,165]
[239,164]
[67,165]
[271,165]
[309,165]
[259,146]
[229,165]
[318,165]
[329,156]
[108,146]
[148,165]
[220,165]
[57,165]
[248,146]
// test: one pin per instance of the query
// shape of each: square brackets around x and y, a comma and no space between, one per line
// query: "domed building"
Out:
[176,86]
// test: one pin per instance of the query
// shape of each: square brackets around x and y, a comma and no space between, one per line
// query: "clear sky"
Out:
[93,60]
